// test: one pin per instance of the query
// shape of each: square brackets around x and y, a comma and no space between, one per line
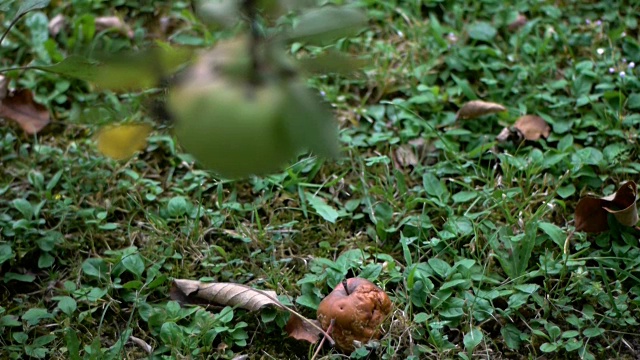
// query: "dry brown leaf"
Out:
[405,156]
[56,24]
[302,330]
[20,107]
[238,295]
[519,22]
[623,204]
[532,127]
[113,22]
[591,212]
[506,134]
[590,216]
[477,108]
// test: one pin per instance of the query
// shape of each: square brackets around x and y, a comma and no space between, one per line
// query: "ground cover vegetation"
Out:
[485,182]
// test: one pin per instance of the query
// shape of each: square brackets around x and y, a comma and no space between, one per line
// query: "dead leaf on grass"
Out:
[477,108]
[56,24]
[20,107]
[532,127]
[113,22]
[302,330]
[245,297]
[122,141]
[591,212]
[405,156]
[519,22]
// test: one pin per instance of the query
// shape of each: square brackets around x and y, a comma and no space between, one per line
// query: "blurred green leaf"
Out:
[310,122]
[331,62]
[326,24]
[481,30]
[326,211]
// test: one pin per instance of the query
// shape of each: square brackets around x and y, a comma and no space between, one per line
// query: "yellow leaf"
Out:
[122,141]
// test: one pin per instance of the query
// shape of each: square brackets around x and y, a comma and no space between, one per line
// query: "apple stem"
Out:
[251,13]
[344,284]
[329,328]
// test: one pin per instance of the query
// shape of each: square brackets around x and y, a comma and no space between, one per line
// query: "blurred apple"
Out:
[234,129]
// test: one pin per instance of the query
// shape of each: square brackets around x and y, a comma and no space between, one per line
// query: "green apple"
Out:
[233,128]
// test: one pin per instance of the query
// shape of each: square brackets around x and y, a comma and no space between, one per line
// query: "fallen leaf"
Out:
[532,127]
[405,156]
[506,134]
[113,22]
[302,330]
[56,24]
[519,22]
[590,216]
[20,107]
[122,141]
[591,212]
[622,204]
[245,297]
[231,294]
[477,108]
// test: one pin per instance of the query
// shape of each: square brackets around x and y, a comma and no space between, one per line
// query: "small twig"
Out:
[323,339]
[141,343]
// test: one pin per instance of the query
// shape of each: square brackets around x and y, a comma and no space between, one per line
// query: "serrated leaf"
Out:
[323,209]
[122,141]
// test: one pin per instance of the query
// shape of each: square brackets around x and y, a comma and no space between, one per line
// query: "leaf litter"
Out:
[591,214]
[245,297]
[20,106]
[477,108]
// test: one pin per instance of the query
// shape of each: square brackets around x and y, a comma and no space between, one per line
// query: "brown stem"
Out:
[344,284]
[315,354]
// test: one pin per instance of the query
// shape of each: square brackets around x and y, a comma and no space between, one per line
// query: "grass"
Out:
[467,236]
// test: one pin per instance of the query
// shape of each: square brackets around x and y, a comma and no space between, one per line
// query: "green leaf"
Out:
[481,30]
[327,23]
[6,253]
[67,304]
[326,211]
[566,191]
[43,340]
[548,347]
[511,336]
[433,186]
[9,276]
[555,233]
[440,267]
[309,121]
[9,320]
[74,66]
[72,343]
[24,207]
[45,260]
[472,339]
[30,5]
[134,264]
[177,206]
[421,317]
[633,102]
[309,301]
[170,333]
[34,315]
[96,268]
[454,283]
[464,196]
[593,332]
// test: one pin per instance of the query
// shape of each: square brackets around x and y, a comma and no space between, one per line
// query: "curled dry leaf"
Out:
[591,212]
[113,22]
[622,204]
[532,127]
[245,297]
[56,24]
[122,141]
[405,156]
[519,22]
[477,108]
[20,107]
